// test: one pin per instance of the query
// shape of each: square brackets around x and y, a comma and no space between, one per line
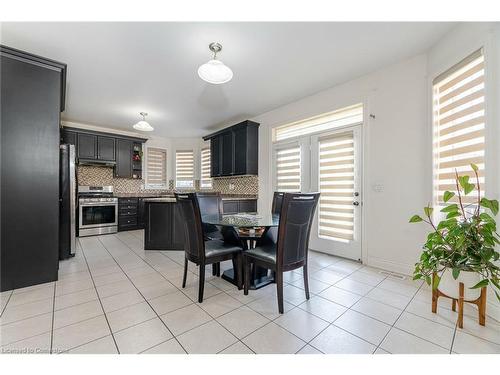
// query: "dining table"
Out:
[245,229]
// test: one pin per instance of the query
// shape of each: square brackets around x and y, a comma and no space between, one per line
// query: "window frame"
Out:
[148,185]
[210,179]
[452,68]
[192,185]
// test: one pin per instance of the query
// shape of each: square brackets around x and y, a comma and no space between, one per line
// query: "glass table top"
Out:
[243,220]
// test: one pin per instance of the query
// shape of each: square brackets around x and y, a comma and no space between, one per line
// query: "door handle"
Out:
[355,203]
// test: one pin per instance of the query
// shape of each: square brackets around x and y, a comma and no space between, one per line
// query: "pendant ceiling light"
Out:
[143,125]
[214,71]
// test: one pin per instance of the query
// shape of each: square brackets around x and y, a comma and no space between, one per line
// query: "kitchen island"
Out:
[163,227]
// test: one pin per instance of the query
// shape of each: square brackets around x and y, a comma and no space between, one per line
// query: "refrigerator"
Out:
[67,202]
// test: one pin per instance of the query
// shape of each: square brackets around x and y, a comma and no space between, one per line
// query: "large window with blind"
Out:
[184,169]
[156,168]
[459,124]
[205,181]
[336,184]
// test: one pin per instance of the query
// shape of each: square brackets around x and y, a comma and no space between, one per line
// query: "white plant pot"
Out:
[449,286]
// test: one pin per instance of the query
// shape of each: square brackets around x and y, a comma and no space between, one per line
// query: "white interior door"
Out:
[336,173]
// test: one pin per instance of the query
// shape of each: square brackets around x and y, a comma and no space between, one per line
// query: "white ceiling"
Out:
[116,70]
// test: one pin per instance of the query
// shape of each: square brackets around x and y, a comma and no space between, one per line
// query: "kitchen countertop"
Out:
[170,195]
[160,200]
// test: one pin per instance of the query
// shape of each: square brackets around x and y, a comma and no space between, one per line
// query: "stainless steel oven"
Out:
[97,210]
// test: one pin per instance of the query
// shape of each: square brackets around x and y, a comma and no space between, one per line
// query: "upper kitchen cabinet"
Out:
[123,158]
[235,150]
[95,147]
[86,146]
[106,149]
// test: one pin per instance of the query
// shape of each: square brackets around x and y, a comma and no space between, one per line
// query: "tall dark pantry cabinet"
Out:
[32,98]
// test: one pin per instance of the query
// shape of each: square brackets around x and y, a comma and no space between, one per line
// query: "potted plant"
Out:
[461,247]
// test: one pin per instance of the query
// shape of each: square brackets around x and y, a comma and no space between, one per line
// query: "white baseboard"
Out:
[387,265]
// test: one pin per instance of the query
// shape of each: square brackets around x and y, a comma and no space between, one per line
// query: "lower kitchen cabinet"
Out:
[236,206]
[127,213]
[163,226]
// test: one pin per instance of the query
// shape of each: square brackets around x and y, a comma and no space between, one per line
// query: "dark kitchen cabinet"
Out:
[237,206]
[123,167]
[32,93]
[127,213]
[227,153]
[105,148]
[215,157]
[94,147]
[68,137]
[140,214]
[163,226]
[248,205]
[235,150]
[99,148]
[87,146]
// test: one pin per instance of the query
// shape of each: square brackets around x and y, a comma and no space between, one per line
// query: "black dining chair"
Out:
[277,202]
[211,204]
[196,248]
[291,248]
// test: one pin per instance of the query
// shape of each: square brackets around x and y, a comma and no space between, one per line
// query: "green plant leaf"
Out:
[498,295]
[474,167]
[455,272]
[494,206]
[428,211]
[428,280]
[480,284]
[415,219]
[463,181]
[453,214]
[450,208]
[468,188]
[448,195]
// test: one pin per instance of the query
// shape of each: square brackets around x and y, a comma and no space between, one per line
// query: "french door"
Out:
[336,173]
[329,163]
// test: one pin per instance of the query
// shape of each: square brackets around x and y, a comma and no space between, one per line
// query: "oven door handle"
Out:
[94,204]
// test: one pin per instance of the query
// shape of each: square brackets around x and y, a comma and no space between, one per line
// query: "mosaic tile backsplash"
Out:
[99,176]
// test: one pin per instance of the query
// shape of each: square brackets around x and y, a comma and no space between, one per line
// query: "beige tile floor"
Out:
[114,297]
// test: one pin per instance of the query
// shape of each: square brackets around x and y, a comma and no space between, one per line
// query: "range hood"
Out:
[97,162]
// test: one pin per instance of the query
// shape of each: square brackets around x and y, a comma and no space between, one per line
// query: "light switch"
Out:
[377,188]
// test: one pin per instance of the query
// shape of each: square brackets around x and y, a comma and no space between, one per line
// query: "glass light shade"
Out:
[214,71]
[143,126]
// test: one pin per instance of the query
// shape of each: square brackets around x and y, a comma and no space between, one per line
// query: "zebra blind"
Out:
[346,116]
[336,175]
[206,181]
[184,169]
[156,167]
[459,123]
[288,168]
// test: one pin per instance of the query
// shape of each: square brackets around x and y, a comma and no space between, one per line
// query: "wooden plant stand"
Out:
[480,302]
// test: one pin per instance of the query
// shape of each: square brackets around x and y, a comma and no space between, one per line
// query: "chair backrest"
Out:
[277,202]
[210,203]
[194,244]
[296,217]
